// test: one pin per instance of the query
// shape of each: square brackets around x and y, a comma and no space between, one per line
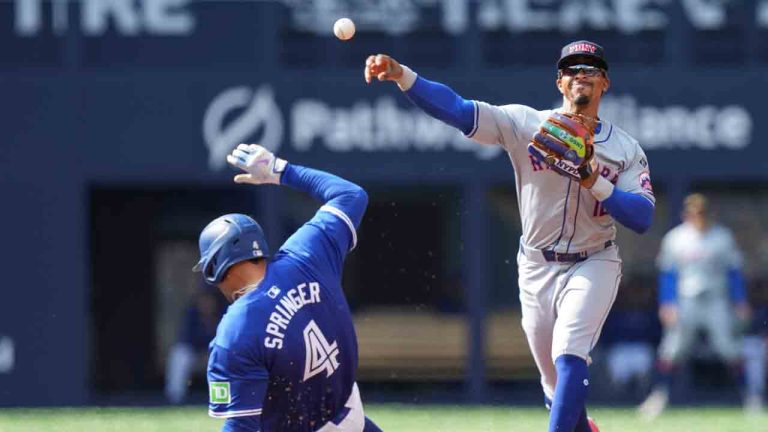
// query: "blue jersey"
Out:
[287,351]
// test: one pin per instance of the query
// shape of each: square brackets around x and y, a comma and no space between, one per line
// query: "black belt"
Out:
[553,256]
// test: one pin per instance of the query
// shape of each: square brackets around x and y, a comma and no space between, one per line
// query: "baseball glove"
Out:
[565,143]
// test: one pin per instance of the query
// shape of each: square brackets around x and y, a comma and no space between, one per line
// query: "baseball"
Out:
[344,28]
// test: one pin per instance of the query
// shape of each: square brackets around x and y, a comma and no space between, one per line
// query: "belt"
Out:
[567,257]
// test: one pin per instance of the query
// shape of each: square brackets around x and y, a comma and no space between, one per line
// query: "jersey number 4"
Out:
[321,355]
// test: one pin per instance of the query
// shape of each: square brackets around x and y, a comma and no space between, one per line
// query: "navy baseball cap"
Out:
[576,52]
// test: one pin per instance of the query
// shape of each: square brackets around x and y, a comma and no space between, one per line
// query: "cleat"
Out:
[654,405]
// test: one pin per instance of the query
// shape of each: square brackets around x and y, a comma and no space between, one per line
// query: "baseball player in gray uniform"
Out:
[568,263]
[701,287]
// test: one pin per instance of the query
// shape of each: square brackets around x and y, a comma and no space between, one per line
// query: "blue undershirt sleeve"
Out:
[667,287]
[736,290]
[631,210]
[441,102]
[332,190]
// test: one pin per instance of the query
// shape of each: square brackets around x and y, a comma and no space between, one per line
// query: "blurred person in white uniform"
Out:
[701,288]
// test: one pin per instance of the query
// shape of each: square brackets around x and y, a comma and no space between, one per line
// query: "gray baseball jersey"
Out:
[557,213]
[700,259]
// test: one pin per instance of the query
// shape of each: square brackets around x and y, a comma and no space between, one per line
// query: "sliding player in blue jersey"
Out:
[285,354]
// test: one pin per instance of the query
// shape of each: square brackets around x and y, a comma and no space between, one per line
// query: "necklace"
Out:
[246,289]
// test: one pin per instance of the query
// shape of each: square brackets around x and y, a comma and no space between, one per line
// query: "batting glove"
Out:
[260,165]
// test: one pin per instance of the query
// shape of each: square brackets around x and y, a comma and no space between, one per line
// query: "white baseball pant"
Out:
[354,421]
[564,305]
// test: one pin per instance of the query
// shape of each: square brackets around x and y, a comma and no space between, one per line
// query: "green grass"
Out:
[392,418]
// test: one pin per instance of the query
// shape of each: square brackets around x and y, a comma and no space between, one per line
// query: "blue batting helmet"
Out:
[226,241]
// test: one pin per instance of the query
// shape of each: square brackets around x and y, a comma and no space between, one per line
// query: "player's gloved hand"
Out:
[383,68]
[564,141]
[260,165]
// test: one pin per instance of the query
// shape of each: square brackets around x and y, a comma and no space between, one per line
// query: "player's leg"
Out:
[181,361]
[721,329]
[582,424]
[569,404]
[583,303]
[755,354]
[537,286]
[725,338]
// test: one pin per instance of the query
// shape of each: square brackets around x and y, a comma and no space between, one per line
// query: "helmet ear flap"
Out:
[209,272]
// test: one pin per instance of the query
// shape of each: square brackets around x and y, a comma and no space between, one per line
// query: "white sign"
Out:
[567,16]
[175,17]
[705,127]
[253,111]
[126,17]
[242,115]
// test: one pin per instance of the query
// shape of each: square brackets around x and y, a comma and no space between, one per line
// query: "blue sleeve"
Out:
[667,287]
[324,241]
[736,286]
[441,102]
[332,190]
[242,424]
[237,384]
[631,210]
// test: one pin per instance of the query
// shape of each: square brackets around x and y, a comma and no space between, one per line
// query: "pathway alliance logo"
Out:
[241,115]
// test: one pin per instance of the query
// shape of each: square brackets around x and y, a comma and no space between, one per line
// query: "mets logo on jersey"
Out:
[645,182]
[321,355]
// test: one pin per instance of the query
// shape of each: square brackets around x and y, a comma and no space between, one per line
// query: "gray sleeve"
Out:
[502,125]
[636,177]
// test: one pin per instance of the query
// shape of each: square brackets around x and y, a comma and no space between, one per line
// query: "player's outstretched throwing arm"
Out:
[436,99]
[632,206]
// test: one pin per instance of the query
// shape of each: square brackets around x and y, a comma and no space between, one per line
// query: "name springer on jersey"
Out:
[288,305]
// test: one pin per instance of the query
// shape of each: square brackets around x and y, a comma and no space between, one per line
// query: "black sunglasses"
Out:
[587,70]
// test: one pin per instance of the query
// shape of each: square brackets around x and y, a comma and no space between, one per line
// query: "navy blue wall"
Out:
[79,109]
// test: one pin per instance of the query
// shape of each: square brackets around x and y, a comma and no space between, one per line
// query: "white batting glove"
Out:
[260,165]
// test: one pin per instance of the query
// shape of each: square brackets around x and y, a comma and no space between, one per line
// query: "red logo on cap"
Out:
[582,47]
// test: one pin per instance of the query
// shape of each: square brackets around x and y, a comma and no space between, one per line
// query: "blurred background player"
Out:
[285,353]
[190,352]
[755,349]
[569,266]
[701,288]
